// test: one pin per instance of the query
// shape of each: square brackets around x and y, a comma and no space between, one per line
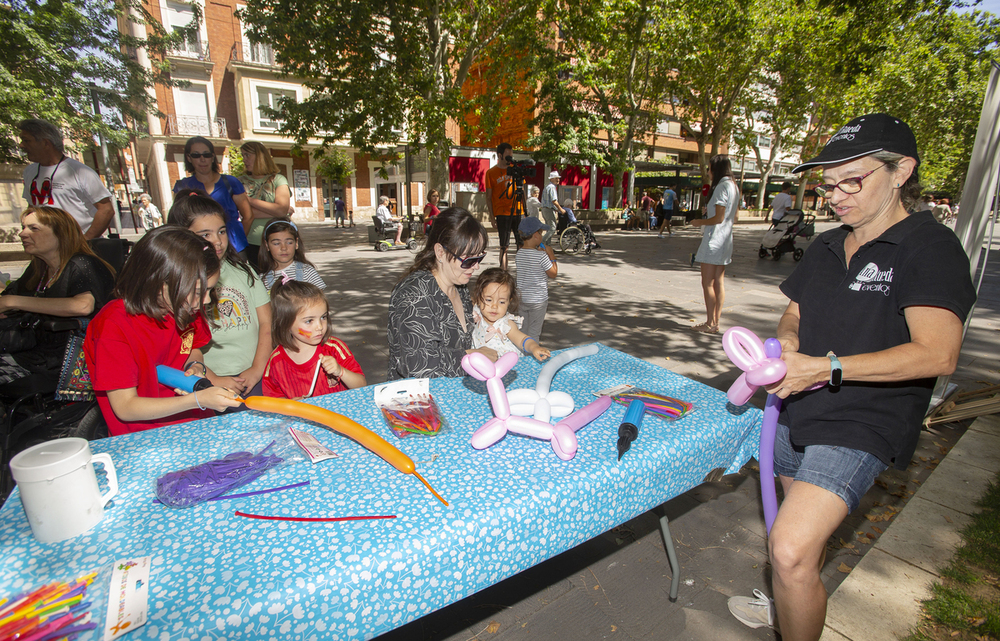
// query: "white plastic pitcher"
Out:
[59,488]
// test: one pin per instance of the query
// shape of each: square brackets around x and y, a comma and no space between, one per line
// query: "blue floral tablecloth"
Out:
[219,576]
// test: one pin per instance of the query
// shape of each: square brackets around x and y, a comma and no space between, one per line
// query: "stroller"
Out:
[780,238]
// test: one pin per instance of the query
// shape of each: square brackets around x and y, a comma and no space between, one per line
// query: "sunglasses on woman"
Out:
[204,154]
[466,263]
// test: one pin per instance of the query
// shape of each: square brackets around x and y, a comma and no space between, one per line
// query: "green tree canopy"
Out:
[933,75]
[54,49]
[601,83]
[382,71]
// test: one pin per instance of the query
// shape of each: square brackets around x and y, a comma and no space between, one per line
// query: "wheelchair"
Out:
[574,236]
[386,235]
[37,408]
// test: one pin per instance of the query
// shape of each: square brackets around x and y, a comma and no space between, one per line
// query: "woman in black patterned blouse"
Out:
[430,309]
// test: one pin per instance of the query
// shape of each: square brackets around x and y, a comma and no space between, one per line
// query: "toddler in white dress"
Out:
[493,296]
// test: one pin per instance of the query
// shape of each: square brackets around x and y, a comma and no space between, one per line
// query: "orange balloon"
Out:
[343,425]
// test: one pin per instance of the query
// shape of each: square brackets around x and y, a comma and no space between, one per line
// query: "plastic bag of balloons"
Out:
[261,451]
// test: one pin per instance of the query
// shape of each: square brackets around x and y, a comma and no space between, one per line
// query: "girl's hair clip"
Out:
[285,278]
[193,193]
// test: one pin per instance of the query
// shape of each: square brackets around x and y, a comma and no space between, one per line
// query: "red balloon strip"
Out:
[313,520]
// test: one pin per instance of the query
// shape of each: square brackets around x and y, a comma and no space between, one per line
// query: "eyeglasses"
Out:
[847,185]
[466,263]
[205,154]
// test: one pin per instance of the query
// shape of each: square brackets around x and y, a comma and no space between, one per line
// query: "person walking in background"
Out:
[781,203]
[668,204]
[550,205]
[150,213]
[646,209]
[55,180]
[339,210]
[942,211]
[267,191]
[716,250]
[430,210]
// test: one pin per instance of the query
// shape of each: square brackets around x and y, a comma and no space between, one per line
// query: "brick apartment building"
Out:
[230,79]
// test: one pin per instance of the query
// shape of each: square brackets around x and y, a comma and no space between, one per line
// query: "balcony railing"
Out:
[196,126]
[253,53]
[195,50]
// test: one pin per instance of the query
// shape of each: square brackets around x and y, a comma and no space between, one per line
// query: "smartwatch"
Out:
[836,371]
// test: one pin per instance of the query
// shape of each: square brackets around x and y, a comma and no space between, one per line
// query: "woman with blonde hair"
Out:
[268,191]
[65,278]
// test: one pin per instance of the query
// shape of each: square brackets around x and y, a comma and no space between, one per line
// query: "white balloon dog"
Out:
[540,402]
[562,435]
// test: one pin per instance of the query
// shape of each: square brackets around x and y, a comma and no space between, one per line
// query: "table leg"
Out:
[668,543]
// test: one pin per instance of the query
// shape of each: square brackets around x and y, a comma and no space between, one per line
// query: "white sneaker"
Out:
[659,235]
[754,612]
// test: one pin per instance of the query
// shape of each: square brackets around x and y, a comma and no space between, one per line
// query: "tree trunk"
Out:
[437,174]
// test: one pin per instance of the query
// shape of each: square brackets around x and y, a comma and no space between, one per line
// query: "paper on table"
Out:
[128,597]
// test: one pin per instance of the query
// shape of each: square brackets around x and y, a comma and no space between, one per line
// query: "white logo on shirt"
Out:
[870,279]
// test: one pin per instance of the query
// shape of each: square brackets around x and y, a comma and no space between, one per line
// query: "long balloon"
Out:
[343,425]
[762,363]
[549,369]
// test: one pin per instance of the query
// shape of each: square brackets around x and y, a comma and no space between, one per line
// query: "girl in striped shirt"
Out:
[283,254]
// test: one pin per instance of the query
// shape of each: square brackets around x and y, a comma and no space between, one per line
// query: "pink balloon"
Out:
[564,442]
[498,397]
[770,370]
[505,363]
[479,366]
[740,392]
[529,427]
[492,431]
[743,347]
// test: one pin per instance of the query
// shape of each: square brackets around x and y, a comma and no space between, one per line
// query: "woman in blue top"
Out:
[228,191]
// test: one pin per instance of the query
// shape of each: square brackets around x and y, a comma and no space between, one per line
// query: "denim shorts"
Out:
[846,472]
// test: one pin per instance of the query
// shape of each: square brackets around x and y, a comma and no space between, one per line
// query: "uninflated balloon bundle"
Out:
[665,407]
[205,481]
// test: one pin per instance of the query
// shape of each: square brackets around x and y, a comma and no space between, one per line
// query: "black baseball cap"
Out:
[863,136]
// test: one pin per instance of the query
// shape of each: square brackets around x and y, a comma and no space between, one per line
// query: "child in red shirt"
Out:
[158,319]
[305,347]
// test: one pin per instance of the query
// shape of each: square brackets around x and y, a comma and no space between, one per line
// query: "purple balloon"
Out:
[771,370]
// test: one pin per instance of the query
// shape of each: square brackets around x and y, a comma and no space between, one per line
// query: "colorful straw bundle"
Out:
[54,611]
[418,414]
[663,406]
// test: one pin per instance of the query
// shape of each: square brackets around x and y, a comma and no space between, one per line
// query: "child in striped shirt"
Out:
[283,254]
[535,265]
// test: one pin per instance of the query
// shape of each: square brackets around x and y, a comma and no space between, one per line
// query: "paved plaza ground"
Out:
[639,294]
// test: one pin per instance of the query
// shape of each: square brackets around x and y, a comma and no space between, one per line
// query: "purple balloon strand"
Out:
[193,485]
[768,430]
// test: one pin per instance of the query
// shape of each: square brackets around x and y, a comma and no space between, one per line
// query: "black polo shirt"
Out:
[859,309]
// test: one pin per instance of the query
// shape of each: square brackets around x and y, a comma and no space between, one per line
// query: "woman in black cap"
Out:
[876,314]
